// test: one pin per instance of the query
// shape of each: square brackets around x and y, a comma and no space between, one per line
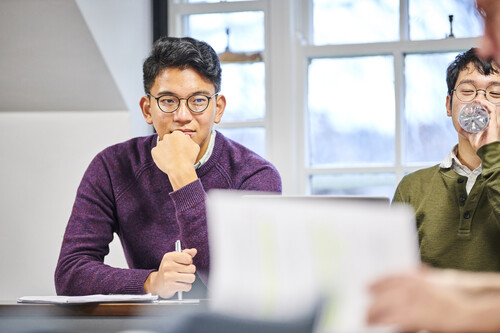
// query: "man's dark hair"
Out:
[485,67]
[181,53]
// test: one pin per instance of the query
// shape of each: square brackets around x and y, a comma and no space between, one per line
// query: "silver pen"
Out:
[178,249]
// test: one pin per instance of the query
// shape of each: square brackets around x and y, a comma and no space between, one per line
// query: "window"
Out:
[348,96]
[239,32]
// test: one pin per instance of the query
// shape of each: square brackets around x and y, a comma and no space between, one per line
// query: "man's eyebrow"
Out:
[198,92]
[468,81]
[166,92]
[473,82]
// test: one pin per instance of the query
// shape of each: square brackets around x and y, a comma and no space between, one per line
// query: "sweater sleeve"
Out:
[264,179]
[490,157]
[190,212]
[80,269]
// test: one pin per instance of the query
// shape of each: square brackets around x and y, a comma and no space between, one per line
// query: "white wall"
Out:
[123,32]
[71,72]
[44,155]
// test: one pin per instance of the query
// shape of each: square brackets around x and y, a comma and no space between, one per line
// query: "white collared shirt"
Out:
[209,151]
[452,161]
[207,154]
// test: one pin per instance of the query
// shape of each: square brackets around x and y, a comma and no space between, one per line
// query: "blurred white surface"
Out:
[275,259]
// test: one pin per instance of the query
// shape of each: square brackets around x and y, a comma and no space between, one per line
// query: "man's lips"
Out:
[185,131]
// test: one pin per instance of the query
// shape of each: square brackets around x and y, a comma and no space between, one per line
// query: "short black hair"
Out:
[181,53]
[485,67]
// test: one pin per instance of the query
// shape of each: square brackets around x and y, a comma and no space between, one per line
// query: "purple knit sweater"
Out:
[124,192]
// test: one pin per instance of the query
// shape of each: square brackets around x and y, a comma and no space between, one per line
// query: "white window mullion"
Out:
[304,36]
[281,79]
[302,126]
[382,48]
[400,123]
[240,124]
[399,90]
[404,24]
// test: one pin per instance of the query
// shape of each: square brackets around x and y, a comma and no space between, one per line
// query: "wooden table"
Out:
[14,309]
[92,317]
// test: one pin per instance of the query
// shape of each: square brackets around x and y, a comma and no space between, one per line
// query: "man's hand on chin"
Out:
[175,154]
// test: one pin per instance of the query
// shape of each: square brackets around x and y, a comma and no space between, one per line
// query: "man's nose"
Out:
[183,114]
[481,94]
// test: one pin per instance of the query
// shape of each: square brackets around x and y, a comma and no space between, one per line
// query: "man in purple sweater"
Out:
[151,191]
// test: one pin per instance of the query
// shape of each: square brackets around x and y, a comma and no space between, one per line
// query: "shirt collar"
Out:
[451,158]
[451,161]
[209,151]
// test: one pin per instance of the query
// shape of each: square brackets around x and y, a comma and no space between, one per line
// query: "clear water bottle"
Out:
[473,117]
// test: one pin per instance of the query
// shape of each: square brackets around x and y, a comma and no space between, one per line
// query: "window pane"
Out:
[351,111]
[429,131]
[244,88]
[382,184]
[360,21]
[251,137]
[243,84]
[246,30]
[429,19]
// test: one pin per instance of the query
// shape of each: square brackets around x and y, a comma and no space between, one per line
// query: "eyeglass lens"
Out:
[196,103]
[466,92]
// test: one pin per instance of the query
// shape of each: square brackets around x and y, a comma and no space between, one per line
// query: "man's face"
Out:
[183,84]
[480,81]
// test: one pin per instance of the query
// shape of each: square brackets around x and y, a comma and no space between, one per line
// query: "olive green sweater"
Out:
[457,230]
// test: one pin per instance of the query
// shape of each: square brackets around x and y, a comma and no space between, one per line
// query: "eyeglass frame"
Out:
[477,92]
[186,99]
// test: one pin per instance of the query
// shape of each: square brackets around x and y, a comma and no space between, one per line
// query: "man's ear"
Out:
[145,105]
[448,105]
[220,107]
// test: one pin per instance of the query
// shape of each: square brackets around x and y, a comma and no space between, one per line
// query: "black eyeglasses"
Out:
[195,103]
[466,92]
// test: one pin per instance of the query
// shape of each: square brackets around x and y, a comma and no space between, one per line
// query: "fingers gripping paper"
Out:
[277,259]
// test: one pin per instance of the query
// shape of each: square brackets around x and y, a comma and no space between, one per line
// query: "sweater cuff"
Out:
[136,285]
[191,195]
[490,156]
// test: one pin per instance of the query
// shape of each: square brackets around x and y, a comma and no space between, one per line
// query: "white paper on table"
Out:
[87,299]
[275,259]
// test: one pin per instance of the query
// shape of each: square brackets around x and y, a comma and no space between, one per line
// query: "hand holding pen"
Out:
[176,273]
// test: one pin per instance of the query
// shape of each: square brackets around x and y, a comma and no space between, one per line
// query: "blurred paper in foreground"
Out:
[277,258]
